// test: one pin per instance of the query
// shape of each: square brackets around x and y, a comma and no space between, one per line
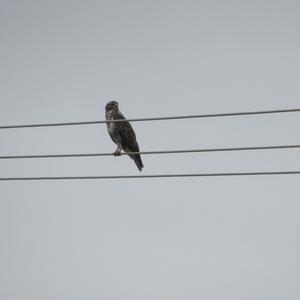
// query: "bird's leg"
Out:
[118,152]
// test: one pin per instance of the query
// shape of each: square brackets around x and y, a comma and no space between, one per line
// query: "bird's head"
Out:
[112,105]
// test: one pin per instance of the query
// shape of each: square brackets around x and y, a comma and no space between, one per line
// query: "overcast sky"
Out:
[185,238]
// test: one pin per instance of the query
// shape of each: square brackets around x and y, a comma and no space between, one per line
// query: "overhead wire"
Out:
[149,176]
[203,150]
[213,115]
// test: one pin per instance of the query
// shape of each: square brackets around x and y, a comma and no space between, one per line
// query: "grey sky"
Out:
[217,238]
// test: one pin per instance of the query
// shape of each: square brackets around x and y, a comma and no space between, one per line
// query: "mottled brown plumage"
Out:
[122,133]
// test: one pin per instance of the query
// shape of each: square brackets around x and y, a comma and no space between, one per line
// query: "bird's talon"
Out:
[117,152]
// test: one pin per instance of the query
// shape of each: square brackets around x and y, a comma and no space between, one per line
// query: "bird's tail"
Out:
[138,161]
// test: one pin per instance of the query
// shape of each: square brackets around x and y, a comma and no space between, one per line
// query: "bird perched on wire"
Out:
[122,133]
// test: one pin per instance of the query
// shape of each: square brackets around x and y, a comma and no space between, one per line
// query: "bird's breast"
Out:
[111,127]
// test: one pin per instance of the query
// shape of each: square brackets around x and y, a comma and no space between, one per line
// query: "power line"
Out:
[150,176]
[216,115]
[153,152]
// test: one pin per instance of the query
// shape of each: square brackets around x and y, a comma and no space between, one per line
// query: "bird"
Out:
[122,133]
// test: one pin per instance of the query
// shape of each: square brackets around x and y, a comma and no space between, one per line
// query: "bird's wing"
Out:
[127,134]
[128,139]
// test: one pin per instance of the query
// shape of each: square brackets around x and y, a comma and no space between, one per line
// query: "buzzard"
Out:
[122,133]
